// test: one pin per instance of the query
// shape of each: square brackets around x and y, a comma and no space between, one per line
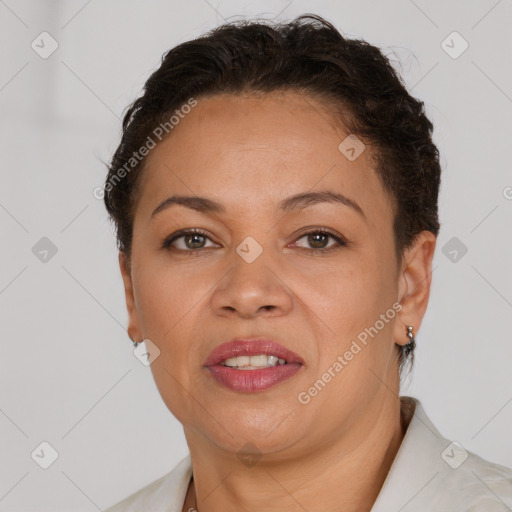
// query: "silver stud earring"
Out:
[412,342]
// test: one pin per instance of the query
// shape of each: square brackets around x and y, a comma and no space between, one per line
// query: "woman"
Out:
[275,198]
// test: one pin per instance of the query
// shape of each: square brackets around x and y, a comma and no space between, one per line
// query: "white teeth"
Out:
[253,362]
[237,361]
[259,361]
[272,360]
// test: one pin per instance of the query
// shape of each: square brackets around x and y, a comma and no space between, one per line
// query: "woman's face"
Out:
[259,271]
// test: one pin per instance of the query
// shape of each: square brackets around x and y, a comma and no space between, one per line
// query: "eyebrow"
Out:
[302,200]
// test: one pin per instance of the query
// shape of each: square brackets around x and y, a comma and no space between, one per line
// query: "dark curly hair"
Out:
[307,55]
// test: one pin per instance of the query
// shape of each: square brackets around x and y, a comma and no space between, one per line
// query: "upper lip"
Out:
[250,347]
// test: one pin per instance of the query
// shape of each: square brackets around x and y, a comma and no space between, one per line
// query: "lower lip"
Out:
[250,381]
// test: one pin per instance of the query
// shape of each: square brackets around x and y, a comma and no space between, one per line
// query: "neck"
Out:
[346,474]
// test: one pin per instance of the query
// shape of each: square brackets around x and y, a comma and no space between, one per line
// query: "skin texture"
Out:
[249,153]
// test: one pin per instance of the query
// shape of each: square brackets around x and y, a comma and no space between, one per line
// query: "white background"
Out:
[67,373]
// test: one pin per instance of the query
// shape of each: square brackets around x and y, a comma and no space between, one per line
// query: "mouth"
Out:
[251,365]
[252,353]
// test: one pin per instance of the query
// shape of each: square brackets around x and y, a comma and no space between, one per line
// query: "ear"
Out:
[134,330]
[415,278]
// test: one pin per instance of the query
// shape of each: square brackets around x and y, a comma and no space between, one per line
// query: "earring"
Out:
[412,343]
[135,343]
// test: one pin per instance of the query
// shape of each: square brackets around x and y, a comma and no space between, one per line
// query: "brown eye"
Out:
[194,241]
[318,241]
[186,240]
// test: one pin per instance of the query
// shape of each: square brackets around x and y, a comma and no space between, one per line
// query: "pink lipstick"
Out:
[251,365]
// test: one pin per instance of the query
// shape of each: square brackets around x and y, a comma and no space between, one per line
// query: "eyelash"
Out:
[341,242]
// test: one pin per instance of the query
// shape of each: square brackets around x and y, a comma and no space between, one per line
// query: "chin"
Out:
[265,434]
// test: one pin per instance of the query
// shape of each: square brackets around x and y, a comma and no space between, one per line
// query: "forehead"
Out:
[244,150]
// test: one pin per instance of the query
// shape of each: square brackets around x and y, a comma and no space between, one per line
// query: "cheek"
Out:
[170,305]
[345,297]
[350,303]
[165,297]
[358,349]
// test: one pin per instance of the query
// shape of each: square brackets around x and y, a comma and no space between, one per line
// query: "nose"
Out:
[252,289]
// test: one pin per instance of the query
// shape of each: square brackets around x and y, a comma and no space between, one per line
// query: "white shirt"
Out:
[428,474]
